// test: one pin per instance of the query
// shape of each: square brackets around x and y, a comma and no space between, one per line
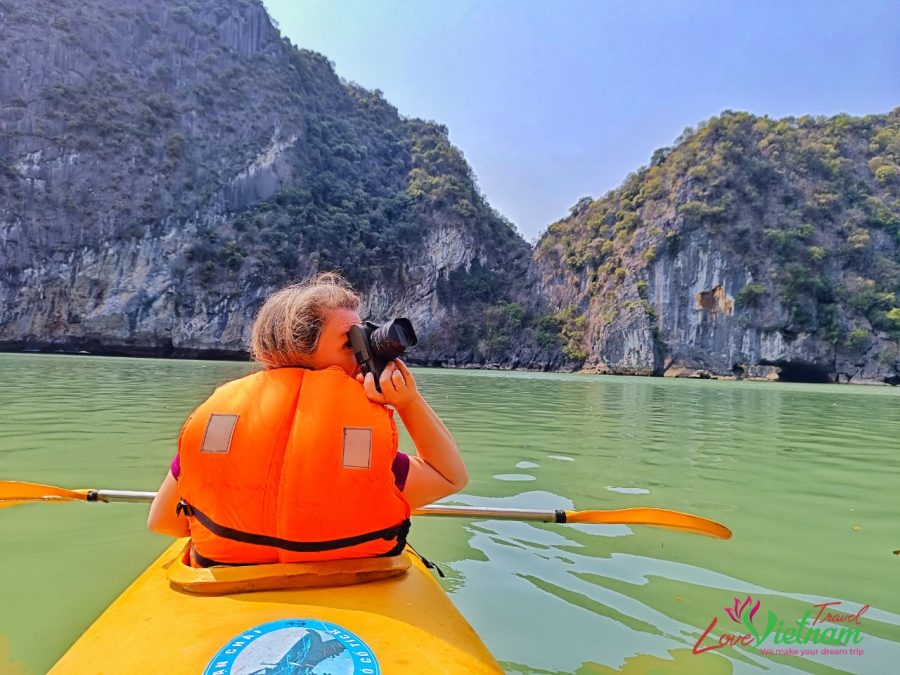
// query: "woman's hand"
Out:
[437,469]
[398,387]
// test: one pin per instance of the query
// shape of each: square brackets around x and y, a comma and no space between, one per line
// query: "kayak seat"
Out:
[277,576]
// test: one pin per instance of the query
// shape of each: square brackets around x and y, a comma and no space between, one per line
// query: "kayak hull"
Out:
[174,619]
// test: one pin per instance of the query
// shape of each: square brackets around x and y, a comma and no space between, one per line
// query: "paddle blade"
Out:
[673,520]
[13,493]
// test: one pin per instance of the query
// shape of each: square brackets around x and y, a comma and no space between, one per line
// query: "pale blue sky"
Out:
[552,101]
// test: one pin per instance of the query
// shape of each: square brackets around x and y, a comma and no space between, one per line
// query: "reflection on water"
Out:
[563,607]
[806,477]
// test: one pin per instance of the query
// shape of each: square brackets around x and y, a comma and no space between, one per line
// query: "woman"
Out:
[299,461]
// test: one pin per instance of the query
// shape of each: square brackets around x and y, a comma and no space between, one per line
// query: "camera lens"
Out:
[391,340]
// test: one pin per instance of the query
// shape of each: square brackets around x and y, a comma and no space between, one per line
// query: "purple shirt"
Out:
[400,467]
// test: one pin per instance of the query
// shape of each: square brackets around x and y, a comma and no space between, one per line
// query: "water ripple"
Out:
[805,476]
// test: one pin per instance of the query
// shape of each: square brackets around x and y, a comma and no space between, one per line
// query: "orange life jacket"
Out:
[291,465]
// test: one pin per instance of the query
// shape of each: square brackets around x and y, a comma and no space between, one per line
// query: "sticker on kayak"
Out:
[294,647]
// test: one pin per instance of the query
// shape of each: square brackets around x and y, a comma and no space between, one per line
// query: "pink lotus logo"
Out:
[737,612]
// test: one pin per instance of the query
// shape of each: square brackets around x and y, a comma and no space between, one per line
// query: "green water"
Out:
[807,477]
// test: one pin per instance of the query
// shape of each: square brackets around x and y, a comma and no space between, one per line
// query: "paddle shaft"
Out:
[120,496]
[13,493]
[557,516]
[652,517]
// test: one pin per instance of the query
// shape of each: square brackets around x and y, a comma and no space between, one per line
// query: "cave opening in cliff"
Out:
[794,371]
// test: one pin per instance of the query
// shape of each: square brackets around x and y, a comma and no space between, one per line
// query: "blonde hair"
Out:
[289,324]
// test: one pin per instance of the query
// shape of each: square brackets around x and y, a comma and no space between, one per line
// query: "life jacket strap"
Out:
[428,564]
[203,561]
[403,531]
[397,532]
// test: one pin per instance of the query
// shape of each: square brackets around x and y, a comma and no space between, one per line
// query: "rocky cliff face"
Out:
[164,166]
[754,248]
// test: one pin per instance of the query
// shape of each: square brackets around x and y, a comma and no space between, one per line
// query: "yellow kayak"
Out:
[361,617]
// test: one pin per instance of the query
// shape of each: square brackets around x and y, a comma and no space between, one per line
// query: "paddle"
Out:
[13,493]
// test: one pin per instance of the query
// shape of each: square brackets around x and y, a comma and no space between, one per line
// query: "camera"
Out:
[375,345]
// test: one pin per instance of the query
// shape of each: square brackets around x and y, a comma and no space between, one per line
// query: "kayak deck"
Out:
[402,622]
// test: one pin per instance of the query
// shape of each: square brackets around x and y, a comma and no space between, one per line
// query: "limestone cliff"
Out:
[164,165]
[753,248]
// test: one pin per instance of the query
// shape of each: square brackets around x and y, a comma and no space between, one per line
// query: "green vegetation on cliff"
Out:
[809,207]
[179,159]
